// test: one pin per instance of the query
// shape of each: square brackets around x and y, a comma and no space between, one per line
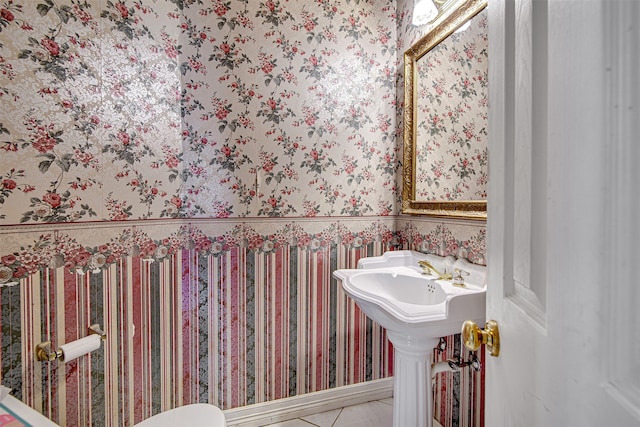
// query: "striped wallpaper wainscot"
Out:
[235,329]
[235,320]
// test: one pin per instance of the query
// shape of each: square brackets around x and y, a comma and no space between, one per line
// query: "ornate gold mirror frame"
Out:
[465,209]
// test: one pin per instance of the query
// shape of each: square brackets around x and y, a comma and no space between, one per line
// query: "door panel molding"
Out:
[621,314]
[527,289]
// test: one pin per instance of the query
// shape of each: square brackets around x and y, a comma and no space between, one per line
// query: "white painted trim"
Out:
[289,408]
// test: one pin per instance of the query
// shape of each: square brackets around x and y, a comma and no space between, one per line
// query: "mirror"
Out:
[445,118]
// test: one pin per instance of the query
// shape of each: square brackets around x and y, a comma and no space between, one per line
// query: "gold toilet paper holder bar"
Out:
[95,329]
[44,352]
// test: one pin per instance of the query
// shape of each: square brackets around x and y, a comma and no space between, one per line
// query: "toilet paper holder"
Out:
[44,352]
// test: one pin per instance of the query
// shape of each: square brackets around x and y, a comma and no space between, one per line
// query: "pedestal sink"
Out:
[416,310]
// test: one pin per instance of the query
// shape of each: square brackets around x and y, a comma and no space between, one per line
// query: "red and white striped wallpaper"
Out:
[233,319]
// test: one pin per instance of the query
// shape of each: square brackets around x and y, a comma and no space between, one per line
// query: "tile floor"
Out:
[378,413]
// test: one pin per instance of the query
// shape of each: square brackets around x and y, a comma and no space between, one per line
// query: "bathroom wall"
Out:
[188,174]
[458,397]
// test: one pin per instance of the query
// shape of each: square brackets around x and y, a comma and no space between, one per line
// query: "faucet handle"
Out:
[428,268]
[458,278]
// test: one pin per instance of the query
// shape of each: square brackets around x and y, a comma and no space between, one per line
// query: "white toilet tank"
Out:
[195,415]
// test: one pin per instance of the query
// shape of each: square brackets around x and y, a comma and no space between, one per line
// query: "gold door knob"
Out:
[473,337]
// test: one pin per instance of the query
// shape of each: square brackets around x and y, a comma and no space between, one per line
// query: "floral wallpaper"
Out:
[452,104]
[79,250]
[139,109]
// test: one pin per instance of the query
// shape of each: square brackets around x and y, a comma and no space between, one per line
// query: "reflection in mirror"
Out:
[445,144]
[451,130]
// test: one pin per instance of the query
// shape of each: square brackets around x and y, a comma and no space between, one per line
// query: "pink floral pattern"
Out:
[57,248]
[130,109]
[451,154]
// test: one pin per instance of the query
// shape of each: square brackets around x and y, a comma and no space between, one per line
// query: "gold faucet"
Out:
[427,267]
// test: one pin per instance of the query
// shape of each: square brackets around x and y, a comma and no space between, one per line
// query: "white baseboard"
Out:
[266,413]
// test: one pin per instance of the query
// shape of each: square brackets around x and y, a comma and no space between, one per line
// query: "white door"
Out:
[564,213]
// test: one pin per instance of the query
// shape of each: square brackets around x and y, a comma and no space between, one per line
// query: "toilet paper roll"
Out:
[78,348]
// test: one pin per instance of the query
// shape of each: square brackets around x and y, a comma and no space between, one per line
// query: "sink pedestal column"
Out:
[412,396]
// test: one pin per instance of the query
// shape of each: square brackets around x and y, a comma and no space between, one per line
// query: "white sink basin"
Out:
[403,300]
[416,310]
[403,291]
[407,302]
